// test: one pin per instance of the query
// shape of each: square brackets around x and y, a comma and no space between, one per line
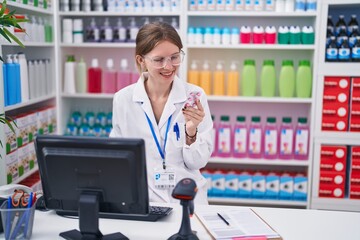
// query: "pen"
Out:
[222,218]
[177,131]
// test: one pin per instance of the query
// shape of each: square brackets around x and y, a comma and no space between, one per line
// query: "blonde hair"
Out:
[152,34]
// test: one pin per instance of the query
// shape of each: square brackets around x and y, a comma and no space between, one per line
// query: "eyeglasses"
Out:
[160,62]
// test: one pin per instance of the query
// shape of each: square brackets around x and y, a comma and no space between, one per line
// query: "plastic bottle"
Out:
[311,5]
[119,32]
[109,79]
[81,77]
[248,83]
[219,80]
[106,32]
[31,70]
[245,34]
[175,24]
[302,140]
[233,80]
[352,23]
[199,37]
[270,139]
[220,5]
[270,5]
[240,138]
[94,77]
[259,5]
[224,137]
[295,35]
[258,34]
[286,139]
[330,23]
[307,35]
[332,53]
[239,5]
[283,35]
[133,29]
[235,36]
[208,35]
[225,36]
[194,74]
[270,35]
[303,80]
[255,138]
[230,5]
[355,53]
[69,75]
[5,79]
[280,6]
[24,77]
[205,78]
[289,5]
[92,32]
[329,34]
[300,5]
[249,5]
[354,34]
[43,82]
[341,36]
[268,79]
[86,6]
[191,35]
[344,51]
[287,79]
[123,76]
[13,81]
[340,23]
[217,36]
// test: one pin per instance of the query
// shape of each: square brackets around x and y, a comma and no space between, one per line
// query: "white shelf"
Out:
[259,99]
[249,14]
[26,7]
[336,204]
[352,138]
[28,44]
[254,46]
[117,14]
[340,69]
[36,168]
[89,95]
[252,201]
[28,103]
[98,45]
[249,161]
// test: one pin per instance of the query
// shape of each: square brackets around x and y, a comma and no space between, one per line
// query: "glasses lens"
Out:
[175,60]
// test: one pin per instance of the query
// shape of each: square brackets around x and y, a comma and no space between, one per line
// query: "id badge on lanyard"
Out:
[164,178]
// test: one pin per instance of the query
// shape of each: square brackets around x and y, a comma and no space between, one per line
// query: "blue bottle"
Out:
[17,78]
[13,80]
[6,101]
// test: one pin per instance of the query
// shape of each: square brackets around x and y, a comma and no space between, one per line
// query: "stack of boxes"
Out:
[333,171]
[20,150]
[355,105]
[355,173]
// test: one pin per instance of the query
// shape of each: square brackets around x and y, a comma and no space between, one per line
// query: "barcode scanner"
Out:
[185,190]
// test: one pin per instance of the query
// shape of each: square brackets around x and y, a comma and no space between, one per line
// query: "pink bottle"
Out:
[302,133]
[270,35]
[214,136]
[240,138]
[258,35]
[123,76]
[109,81]
[286,139]
[94,77]
[245,34]
[224,137]
[270,139]
[255,138]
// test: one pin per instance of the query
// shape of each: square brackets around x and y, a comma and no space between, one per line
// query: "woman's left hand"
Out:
[193,117]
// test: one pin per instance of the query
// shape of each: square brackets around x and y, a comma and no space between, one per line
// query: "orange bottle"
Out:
[205,78]
[219,80]
[194,74]
[233,80]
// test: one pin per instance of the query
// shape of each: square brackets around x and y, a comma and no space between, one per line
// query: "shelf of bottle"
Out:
[249,14]
[339,69]
[254,46]
[252,201]
[26,7]
[88,95]
[28,44]
[341,2]
[118,14]
[28,174]
[347,138]
[29,102]
[249,161]
[98,45]
[343,204]
[259,99]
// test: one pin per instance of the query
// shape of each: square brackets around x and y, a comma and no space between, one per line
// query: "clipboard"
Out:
[236,224]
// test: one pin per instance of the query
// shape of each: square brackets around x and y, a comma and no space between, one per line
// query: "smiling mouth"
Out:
[167,74]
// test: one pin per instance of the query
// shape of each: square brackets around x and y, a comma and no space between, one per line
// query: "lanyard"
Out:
[162,152]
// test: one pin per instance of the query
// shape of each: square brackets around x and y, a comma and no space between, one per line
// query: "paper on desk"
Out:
[243,222]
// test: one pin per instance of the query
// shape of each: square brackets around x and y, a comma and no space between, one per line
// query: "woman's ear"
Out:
[141,62]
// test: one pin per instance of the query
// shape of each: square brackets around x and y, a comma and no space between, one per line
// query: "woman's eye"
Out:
[158,60]
[173,58]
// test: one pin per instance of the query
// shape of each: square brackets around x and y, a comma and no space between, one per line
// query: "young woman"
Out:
[172,116]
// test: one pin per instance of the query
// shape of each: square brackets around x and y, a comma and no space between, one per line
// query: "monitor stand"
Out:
[89,221]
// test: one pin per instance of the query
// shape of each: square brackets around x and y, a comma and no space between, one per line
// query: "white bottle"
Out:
[270,5]
[133,29]
[191,35]
[67,34]
[258,5]
[147,4]
[119,32]
[86,5]
[230,5]
[31,71]
[50,80]
[98,6]
[75,5]
[217,36]
[156,6]
[239,5]
[220,5]
[193,5]
[249,5]
[78,34]
[289,5]
[211,5]
[175,24]
[107,32]
[64,5]
[81,77]
[41,30]
[111,4]
[208,35]
[175,6]
[225,36]
[202,5]
[69,75]
[42,79]
[235,36]
[199,37]
[24,77]
[280,6]
[165,6]
[37,79]
[120,6]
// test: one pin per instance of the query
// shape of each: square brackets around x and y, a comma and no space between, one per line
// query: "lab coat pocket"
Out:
[178,135]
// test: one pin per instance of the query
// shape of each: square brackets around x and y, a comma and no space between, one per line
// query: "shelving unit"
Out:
[33,50]
[332,69]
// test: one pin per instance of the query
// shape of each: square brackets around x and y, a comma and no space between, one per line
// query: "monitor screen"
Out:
[111,171]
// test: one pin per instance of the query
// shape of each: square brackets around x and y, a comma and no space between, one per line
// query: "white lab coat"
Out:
[129,120]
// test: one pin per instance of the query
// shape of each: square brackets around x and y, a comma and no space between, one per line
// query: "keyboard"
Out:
[155,213]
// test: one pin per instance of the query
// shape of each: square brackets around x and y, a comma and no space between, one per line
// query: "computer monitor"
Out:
[91,175]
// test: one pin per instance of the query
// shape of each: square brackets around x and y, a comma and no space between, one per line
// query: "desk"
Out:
[291,224]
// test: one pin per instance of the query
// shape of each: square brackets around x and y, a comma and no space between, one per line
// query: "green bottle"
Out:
[249,78]
[268,79]
[287,79]
[303,79]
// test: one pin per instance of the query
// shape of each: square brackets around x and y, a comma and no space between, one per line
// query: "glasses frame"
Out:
[166,59]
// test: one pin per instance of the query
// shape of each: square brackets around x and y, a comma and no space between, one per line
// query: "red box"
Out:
[335,117]
[332,165]
[335,96]
[354,192]
[340,83]
[334,124]
[336,110]
[355,117]
[333,152]
[331,191]
[332,178]
[355,178]
[356,88]
[355,153]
